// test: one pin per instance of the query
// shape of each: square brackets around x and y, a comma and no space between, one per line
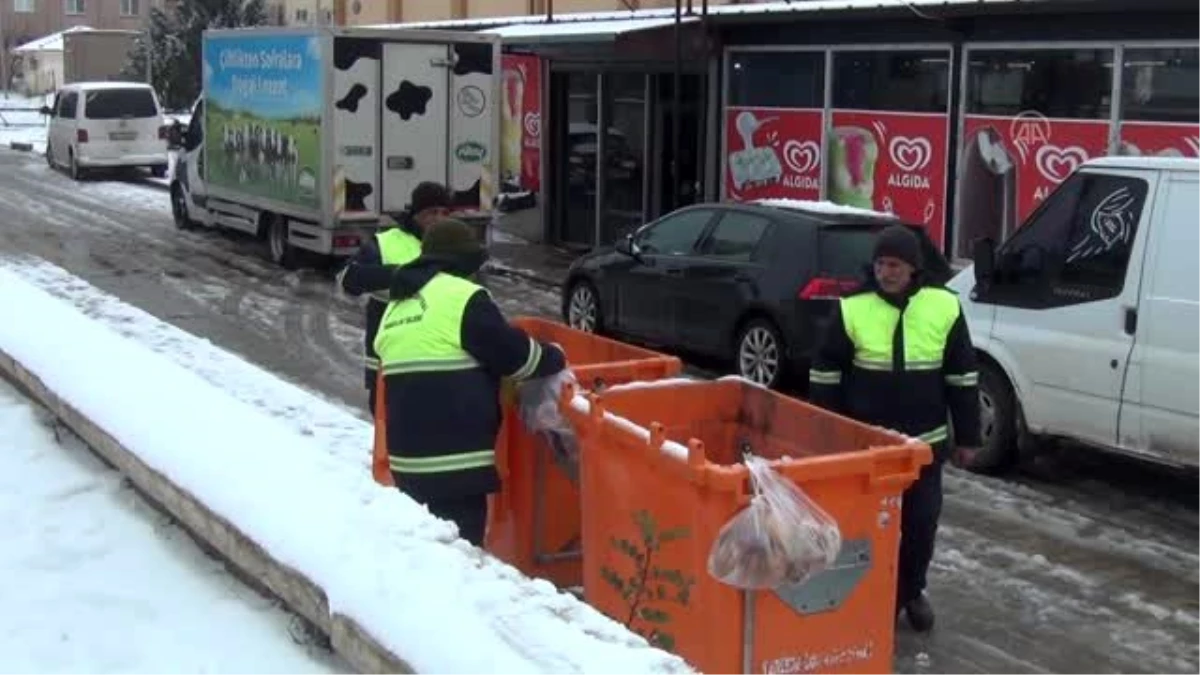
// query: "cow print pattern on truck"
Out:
[356,81]
[409,100]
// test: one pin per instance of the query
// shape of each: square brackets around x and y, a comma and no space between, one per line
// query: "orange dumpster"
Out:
[381,468]
[660,475]
[533,522]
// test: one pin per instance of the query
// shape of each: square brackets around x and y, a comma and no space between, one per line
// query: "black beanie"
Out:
[429,195]
[897,241]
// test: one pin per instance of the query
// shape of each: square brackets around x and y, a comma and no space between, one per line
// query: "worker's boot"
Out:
[920,614]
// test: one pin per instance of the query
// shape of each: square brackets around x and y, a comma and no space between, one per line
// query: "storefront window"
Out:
[777,79]
[583,111]
[625,151]
[887,80]
[1058,83]
[1161,85]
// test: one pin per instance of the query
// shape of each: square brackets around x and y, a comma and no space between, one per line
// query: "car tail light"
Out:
[819,288]
[81,136]
[163,132]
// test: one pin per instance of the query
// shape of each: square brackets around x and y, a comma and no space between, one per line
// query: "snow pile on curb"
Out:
[381,559]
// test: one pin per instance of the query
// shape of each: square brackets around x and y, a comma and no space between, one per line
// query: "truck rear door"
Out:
[415,125]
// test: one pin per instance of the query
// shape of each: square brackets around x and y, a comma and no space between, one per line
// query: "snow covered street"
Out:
[87,564]
[1088,565]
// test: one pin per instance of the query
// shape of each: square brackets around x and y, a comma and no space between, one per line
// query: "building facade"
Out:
[367,12]
[302,12]
[24,20]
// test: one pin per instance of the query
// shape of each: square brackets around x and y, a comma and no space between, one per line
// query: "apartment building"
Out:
[360,12]
[302,12]
[25,20]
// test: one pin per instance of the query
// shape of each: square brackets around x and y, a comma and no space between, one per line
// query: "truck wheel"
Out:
[278,249]
[179,208]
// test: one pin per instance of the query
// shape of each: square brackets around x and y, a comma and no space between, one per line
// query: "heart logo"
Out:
[1055,163]
[533,124]
[1193,144]
[801,156]
[910,154]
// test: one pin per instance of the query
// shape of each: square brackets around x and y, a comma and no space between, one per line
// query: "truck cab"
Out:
[1086,319]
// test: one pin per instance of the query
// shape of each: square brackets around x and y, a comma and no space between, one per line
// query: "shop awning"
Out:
[567,32]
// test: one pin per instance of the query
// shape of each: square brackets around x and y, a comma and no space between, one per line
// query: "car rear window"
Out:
[115,104]
[844,252]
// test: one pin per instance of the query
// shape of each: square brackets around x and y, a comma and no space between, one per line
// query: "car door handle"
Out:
[742,277]
[1131,320]
[674,271]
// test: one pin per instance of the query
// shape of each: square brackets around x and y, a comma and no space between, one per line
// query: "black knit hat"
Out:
[897,241]
[429,195]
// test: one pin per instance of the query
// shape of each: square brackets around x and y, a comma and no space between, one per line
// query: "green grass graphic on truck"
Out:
[262,119]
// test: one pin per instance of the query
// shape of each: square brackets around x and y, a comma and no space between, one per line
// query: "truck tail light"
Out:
[345,241]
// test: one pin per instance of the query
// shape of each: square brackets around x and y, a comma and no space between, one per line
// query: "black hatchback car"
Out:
[750,283]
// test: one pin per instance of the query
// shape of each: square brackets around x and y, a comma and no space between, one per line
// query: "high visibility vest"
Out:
[396,247]
[422,334]
[871,322]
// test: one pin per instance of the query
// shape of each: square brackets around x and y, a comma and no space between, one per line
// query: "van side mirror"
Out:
[984,255]
[45,110]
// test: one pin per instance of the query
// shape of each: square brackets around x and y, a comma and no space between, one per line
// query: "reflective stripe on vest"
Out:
[459,461]
[870,323]
[396,247]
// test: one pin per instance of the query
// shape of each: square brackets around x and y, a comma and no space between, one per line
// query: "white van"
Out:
[106,125]
[1087,318]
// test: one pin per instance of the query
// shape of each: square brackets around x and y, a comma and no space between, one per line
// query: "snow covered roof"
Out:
[568,31]
[49,43]
[719,12]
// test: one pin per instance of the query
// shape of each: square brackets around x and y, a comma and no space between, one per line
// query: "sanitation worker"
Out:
[370,270]
[897,354]
[444,348]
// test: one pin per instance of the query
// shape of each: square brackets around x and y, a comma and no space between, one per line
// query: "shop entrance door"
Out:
[670,191]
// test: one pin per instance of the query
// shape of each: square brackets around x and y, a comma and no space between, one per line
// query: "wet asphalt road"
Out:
[1084,564]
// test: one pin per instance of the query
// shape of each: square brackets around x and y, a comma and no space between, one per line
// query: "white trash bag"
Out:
[782,537]
[537,405]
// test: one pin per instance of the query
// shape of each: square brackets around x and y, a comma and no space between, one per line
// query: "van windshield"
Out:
[115,104]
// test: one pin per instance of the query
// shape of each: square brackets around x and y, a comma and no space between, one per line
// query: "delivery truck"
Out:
[313,138]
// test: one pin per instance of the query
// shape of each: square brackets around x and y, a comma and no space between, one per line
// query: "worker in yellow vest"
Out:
[898,354]
[444,350]
[370,270]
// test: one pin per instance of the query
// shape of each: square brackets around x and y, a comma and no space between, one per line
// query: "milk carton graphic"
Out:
[751,165]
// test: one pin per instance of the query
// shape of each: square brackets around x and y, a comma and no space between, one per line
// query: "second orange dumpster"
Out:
[660,476]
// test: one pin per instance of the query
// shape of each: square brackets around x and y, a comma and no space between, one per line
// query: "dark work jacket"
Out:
[432,414]
[912,398]
[365,273]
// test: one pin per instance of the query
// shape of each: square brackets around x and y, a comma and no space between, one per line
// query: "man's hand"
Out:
[965,456]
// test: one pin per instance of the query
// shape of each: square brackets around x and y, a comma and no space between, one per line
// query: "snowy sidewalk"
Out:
[86,564]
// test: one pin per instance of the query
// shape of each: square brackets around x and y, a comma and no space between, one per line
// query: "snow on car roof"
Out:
[822,207]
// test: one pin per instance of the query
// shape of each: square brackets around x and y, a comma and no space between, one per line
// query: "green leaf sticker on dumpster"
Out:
[471,151]
[650,589]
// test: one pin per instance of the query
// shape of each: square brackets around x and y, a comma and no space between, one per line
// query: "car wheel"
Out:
[159,171]
[49,156]
[760,353]
[997,422]
[74,168]
[179,208]
[583,308]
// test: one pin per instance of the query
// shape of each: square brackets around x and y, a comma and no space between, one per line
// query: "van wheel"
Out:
[997,422]
[76,171]
[275,230]
[49,156]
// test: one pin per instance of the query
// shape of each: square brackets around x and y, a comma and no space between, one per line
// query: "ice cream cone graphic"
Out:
[513,124]
[853,153]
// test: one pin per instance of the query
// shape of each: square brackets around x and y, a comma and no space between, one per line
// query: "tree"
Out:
[171,44]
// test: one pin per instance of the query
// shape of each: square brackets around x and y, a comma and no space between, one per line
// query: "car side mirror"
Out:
[984,255]
[45,110]
[628,246]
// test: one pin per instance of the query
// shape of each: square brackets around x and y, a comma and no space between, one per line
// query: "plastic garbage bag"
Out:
[782,537]
[537,405]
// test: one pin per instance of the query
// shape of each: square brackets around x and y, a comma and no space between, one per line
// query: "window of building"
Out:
[131,7]
[1161,85]
[24,6]
[74,6]
[917,81]
[1059,83]
[301,16]
[777,79]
